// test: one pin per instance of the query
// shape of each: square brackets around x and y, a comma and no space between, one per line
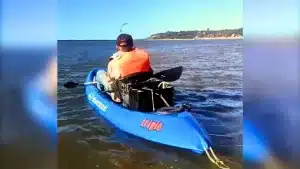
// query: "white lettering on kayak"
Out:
[97,102]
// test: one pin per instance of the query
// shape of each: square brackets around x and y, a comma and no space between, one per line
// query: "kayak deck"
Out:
[178,129]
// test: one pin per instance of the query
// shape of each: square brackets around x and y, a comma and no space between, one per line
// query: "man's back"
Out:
[126,64]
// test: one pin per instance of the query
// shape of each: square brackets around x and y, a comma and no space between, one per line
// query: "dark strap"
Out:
[170,110]
[116,88]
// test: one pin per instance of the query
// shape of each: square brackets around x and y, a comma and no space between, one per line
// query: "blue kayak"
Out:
[180,129]
[177,129]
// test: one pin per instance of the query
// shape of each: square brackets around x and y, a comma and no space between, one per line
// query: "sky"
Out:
[28,22]
[102,19]
[276,18]
[43,22]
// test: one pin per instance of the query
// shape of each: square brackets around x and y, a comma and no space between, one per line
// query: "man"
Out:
[127,64]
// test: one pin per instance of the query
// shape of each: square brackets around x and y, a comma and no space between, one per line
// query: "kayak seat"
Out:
[137,77]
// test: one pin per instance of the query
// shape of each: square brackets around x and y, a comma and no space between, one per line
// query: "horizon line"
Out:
[146,37]
[92,39]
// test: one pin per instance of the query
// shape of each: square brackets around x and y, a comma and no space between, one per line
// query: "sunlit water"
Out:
[212,83]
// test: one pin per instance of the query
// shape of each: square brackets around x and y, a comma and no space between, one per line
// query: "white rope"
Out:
[163,99]
[215,159]
[152,98]
[163,83]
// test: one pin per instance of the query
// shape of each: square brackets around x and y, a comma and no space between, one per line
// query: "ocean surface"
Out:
[212,82]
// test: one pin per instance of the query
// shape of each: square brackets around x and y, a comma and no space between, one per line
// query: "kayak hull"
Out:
[177,130]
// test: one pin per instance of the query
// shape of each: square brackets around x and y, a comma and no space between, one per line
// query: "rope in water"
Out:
[214,159]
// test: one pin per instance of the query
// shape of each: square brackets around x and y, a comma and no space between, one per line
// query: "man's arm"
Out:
[113,71]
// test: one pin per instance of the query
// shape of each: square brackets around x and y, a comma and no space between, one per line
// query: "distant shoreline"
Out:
[199,35]
[216,38]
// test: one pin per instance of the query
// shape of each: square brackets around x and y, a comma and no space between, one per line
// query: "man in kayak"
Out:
[126,64]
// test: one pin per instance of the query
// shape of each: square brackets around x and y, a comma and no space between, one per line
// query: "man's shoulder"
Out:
[140,50]
[115,56]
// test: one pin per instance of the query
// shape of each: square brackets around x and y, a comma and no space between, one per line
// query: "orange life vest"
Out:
[128,63]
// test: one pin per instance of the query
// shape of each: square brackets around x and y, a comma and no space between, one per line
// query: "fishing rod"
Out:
[121,28]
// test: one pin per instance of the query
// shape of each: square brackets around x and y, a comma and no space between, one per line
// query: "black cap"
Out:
[125,40]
